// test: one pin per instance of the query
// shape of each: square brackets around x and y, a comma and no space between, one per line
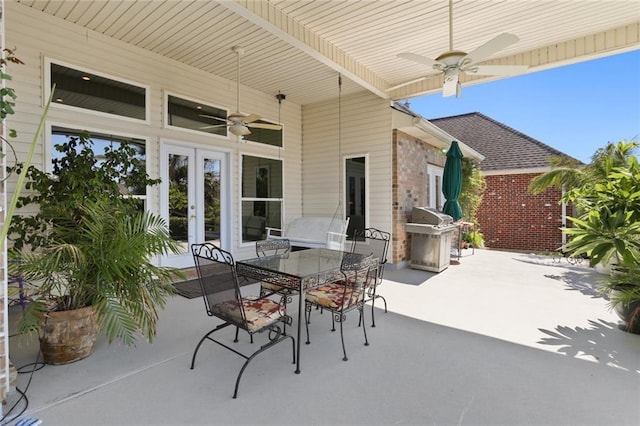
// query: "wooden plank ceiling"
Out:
[298,47]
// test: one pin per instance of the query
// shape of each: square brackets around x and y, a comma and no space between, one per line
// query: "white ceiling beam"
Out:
[273,20]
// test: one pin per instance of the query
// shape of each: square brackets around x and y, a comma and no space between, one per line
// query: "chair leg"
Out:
[307,319]
[344,350]
[205,337]
[259,351]
[364,328]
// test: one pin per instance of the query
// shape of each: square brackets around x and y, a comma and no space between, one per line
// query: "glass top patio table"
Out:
[298,270]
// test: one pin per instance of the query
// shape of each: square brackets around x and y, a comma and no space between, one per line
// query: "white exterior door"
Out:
[194,199]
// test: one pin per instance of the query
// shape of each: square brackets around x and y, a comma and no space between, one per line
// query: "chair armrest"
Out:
[270,232]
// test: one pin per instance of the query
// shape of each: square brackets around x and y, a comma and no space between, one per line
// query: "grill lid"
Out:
[430,216]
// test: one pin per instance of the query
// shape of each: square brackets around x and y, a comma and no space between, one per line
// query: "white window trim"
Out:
[241,155]
[46,66]
[264,145]
[367,182]
[165,115]
[48,147]
[432,171]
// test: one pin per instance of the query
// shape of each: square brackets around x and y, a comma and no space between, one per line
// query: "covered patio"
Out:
[500,338]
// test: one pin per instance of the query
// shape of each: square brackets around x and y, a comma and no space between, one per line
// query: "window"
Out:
[355,169]
[261,196]
[197,116]
[434,189]
[101,142]
[81,89]
[265,136]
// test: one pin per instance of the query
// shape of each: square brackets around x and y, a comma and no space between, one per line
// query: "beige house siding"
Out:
[365,130]
[84,49]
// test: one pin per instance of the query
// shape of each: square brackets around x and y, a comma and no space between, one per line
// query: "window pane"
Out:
[212,200]
[85,90]
[265,136]
[196,116]
[178,167]
[102,143]
[258,214]
[261,177]
[355,170]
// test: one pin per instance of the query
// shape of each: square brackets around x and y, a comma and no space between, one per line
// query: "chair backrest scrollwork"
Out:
[219,283]
[273,247]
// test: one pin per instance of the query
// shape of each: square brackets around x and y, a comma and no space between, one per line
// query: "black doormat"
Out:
[191,288]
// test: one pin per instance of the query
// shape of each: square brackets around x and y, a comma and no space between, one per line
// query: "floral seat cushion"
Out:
[333,296]
[258,312]
[275,288]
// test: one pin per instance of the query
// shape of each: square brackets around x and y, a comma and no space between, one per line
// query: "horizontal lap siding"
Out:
[365,129]
[36,35]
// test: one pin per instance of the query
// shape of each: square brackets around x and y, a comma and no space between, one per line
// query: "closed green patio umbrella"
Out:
[452,181]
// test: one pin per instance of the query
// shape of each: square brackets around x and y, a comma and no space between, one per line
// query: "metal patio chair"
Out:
[223,299]
[375,242]
[346,295]
[274,247]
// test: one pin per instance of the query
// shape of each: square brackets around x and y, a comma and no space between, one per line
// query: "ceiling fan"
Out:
[238,122]
[453,62]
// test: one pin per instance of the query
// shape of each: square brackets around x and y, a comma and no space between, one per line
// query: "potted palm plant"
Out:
[608,231]
[90,250]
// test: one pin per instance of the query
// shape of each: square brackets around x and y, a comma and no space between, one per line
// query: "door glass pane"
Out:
[355,170]
[178,168]
[211,198]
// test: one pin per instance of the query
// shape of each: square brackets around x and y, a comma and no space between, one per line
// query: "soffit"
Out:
[299,46]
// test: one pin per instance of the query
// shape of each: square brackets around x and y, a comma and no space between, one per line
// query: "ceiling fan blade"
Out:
[251,118]
[212,126]
[494,45]
[497,69]
[264,126]
[417,58]
[450,87]
[213,117]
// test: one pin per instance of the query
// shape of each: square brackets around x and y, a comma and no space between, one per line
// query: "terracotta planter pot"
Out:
[630,316]
[69,336]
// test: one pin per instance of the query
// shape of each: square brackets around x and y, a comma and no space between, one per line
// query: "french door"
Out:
[193,199]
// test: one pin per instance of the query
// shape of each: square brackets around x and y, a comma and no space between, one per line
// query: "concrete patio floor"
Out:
[499,339]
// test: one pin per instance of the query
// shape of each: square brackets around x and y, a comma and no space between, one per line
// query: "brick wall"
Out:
[410,159]
[511,218]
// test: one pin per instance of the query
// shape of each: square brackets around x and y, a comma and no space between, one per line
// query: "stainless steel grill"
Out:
[431,239]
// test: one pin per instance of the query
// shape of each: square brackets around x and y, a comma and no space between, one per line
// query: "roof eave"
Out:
[445,138]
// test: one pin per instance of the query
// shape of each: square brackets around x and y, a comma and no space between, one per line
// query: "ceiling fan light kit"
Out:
[454,62]
[239,129]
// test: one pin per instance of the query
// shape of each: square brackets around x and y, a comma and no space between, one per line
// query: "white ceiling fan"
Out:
[238,122]
[453,62]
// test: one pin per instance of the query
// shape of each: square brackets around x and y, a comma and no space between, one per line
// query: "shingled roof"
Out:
[504,148]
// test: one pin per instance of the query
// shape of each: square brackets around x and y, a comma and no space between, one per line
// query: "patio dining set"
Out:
[324,279]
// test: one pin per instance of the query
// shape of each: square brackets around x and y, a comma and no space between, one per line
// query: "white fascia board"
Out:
[445,138]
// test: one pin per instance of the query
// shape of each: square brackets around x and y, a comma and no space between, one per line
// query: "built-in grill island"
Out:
[431,239]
